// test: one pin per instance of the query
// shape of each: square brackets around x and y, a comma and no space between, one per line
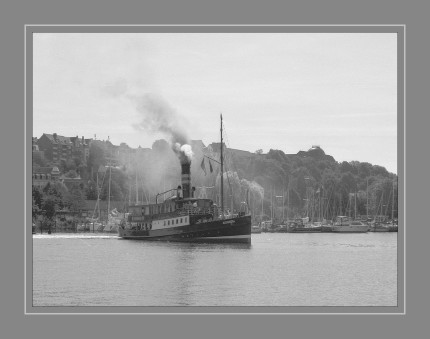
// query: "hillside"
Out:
[309,183]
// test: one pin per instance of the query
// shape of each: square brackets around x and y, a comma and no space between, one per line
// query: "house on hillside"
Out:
[216,147]
[81,148]
[197,145]
[55,147]
[42,175]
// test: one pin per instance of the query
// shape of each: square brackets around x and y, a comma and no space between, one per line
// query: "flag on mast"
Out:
[203,166]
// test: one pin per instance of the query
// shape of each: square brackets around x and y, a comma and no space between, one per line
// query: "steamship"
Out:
[185,218]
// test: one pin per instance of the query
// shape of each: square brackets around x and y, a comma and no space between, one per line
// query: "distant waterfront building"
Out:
[216,147]
[42,175]
[55,147]
[81,148]
[37,155]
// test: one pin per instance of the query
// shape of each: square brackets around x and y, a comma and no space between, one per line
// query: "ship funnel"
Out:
[186,180]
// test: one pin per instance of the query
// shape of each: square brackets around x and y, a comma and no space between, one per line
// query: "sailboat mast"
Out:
[367,199]
[98,196]
[288,195]
[355,205]
[137,188]
[392,206]
[222,175]
[283,200]
[262,206]
[272,215]
[129,191]
[110,176]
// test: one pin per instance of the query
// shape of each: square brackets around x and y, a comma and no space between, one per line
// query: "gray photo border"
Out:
[400,30]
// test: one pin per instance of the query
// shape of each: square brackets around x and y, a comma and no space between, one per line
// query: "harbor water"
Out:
[276,269]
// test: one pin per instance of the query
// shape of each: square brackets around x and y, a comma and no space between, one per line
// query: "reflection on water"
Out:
[274,270]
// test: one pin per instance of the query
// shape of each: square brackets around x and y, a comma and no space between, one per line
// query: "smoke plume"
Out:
[158,116]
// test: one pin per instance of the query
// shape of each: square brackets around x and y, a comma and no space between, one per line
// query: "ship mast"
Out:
[222,175]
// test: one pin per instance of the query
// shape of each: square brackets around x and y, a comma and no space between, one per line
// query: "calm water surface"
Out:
[277,269]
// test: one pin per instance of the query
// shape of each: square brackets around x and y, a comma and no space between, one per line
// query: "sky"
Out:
[285,91]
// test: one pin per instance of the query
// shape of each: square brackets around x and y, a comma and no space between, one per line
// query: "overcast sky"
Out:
[284,91]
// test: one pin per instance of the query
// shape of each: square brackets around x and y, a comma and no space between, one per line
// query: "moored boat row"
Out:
[342,224]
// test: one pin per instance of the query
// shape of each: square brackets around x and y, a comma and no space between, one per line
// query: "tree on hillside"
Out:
[57,191]
[91,190]
[346,167]
[379,170]
[364,169]
[49,207]
[96,158]
[71,174]
[348,182]
[37,196]
[115,191]
[161,146]
[75,198]
[36,210]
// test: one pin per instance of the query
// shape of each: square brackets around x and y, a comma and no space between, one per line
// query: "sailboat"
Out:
[393,225]
[377,225]
[186,218]
[346,224]
[114,218]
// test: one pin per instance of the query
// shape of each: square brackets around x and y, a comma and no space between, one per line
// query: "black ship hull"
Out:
[232,230]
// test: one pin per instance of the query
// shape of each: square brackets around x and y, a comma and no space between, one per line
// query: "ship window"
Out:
[181,220]
[168,222]
[176,221]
